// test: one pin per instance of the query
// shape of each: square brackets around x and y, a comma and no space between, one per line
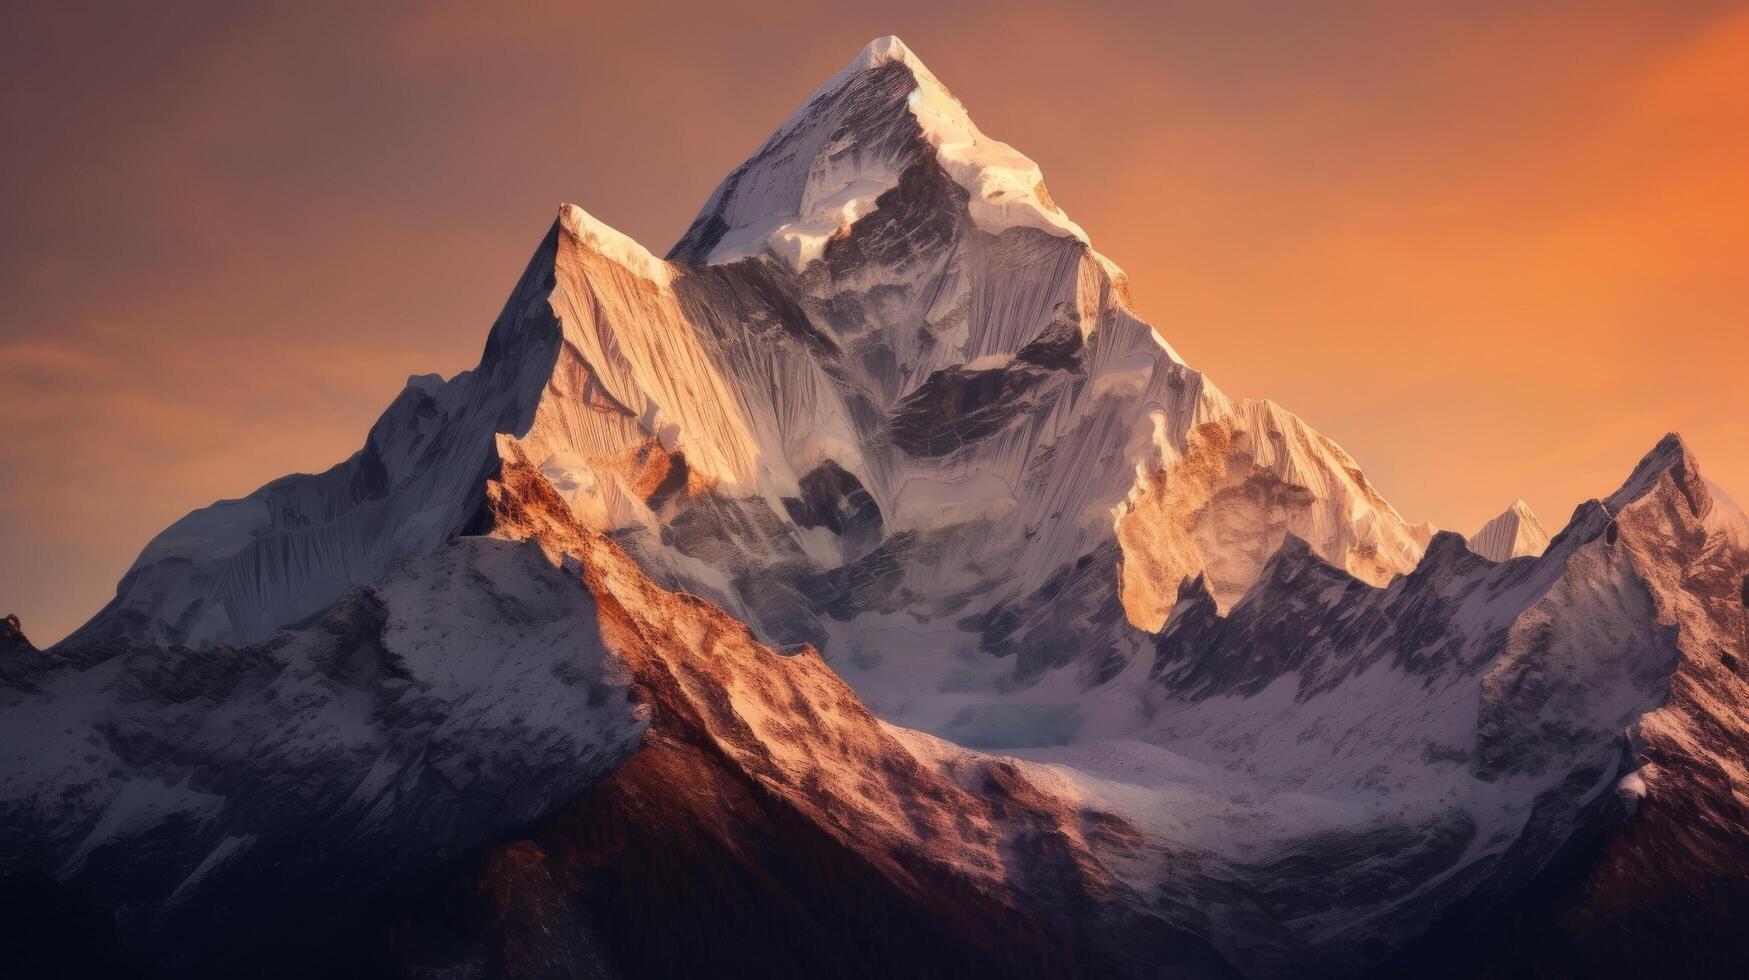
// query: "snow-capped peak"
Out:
[826,166]
[1515,533]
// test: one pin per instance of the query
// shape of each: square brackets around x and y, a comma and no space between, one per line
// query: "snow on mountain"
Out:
[1515,533]
[883,398]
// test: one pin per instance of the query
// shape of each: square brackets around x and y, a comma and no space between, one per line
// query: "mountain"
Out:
[1514,534]
[863,589]
[883,390]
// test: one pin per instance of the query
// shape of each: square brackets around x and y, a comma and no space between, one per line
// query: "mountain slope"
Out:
[1330,778]
[379,765]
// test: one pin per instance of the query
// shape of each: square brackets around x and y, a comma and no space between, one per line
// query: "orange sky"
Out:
[1495,250]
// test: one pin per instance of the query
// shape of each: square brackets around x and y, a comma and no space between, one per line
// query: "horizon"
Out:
[1604,226]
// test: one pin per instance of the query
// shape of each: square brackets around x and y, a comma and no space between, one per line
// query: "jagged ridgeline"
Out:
[864,589]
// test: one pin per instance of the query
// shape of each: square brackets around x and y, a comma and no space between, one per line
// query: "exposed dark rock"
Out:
[12,638]
[957,406]
[834,499]
[1054,624]
[864,584]
[1058,347]
[910,222]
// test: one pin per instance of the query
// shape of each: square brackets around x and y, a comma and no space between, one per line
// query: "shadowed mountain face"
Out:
[865,590]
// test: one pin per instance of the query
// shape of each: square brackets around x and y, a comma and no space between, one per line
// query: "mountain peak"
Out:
[881,116]
[1513,534]
[885,49]
[1671,455]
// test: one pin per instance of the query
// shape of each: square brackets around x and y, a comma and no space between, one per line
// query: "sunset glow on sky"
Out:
[1494,250]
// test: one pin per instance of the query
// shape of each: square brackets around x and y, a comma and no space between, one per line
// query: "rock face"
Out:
[1514,534]
[12,638]
[679,636]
